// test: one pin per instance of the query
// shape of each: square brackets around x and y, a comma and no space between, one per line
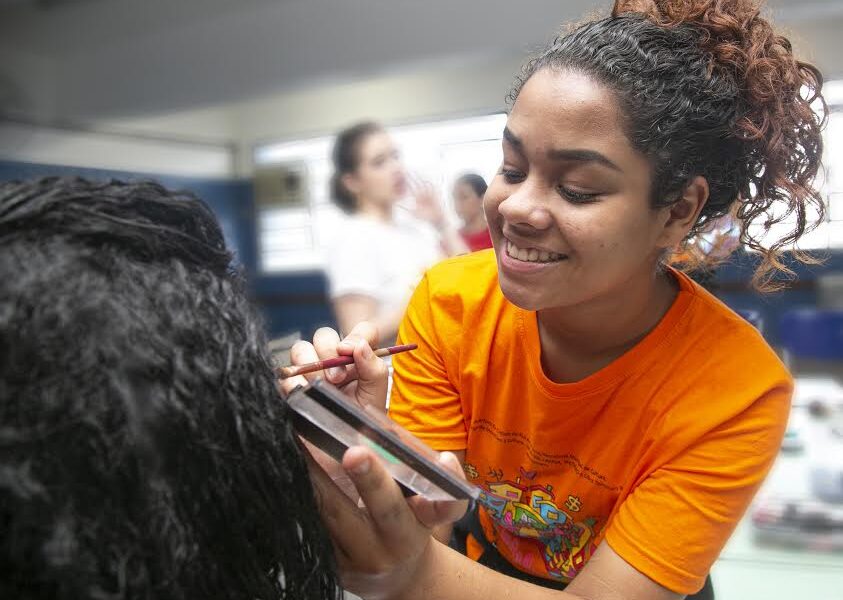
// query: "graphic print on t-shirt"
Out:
[528,510]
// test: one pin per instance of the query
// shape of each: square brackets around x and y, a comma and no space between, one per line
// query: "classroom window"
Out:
[292,234]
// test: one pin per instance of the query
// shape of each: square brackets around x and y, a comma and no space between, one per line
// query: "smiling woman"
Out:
[625,138]
[618,418]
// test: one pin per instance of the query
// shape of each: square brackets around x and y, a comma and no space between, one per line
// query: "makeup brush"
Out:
[339,361]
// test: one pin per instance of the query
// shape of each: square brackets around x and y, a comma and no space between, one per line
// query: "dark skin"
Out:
[572,184]
[576,241]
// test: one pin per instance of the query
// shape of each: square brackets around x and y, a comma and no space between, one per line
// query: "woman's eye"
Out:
[574,196]
[512,176]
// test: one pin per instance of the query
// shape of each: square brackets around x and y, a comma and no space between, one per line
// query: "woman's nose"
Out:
[526,206]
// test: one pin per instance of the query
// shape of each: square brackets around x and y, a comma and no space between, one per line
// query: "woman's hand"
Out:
[365,380]
[381,538]
[383,547]
[429,208]
[428,205]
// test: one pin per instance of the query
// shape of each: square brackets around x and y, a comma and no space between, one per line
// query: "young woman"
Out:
[468,203]
[378,260]
[618,417]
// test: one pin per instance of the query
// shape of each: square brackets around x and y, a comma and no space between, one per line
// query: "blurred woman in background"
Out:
[379,257]
[468,203]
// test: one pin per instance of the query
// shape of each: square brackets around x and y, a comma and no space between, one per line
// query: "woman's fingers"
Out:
[388,510]
[326,342]
[366,379]
[362,331]
[438,512]
[300,354]
[348,526]
[334,469]
[371,372]
[372,377]
[380,545]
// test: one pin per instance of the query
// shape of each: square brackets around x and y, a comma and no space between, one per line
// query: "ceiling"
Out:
[109,58]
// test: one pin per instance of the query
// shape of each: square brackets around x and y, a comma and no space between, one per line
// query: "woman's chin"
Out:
[520,295]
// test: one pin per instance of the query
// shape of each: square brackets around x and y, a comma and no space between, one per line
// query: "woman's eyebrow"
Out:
[576,155]
[513,140]
[579,155]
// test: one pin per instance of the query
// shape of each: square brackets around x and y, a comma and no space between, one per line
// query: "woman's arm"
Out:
[385,550]
[429,208]
[353,309]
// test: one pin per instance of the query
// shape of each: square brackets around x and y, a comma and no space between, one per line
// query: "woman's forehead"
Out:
[567,107]
[375,143]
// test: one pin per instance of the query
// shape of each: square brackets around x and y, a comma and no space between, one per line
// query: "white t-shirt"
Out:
[380,260]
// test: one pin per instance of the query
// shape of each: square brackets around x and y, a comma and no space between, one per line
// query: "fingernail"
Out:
[363,467]
[345,345]
[335,373]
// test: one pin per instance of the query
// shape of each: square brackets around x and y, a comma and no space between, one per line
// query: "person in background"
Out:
[144,451]
[379,255]
[468,203]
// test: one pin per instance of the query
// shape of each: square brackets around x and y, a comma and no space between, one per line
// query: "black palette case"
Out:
[332,422]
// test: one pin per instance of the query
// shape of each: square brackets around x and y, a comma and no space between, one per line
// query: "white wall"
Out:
[27,82]
[443,90]
[30,143]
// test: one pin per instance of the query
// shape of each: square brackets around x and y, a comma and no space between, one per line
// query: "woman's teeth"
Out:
[531,254]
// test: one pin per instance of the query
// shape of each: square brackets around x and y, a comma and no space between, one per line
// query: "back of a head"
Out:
[144,452]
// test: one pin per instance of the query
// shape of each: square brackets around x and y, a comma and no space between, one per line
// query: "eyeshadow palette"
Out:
[333,422]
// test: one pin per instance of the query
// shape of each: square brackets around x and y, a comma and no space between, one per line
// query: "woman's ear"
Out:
[683,214]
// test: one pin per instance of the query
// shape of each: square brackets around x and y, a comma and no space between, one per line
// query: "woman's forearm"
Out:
[445,574]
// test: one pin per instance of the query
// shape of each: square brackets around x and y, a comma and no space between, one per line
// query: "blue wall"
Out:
[298,302]
[230,199]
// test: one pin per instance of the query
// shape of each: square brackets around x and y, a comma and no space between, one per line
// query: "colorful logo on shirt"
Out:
[524,511]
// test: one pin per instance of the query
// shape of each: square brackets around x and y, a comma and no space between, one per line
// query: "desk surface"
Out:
[748,570]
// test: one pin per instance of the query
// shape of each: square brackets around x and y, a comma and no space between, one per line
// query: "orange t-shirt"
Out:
[659,453]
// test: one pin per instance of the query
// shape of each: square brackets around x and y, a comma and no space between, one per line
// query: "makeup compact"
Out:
[333,422]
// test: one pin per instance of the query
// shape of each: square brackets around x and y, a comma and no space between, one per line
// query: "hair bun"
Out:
[777,120]
[743,42]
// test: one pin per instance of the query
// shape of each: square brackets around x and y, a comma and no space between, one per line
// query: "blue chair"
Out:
[812,334]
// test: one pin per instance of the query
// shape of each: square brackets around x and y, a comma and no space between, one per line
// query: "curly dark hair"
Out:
[144,451]
[708,88]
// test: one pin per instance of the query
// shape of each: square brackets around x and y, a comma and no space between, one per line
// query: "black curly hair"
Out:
[144,451]
[708,88]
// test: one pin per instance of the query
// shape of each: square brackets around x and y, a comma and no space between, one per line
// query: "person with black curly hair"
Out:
[618,417]
[144,451]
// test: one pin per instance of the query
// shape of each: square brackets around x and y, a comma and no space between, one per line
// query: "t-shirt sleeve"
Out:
[352,268]
[674,524]
[424,399]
